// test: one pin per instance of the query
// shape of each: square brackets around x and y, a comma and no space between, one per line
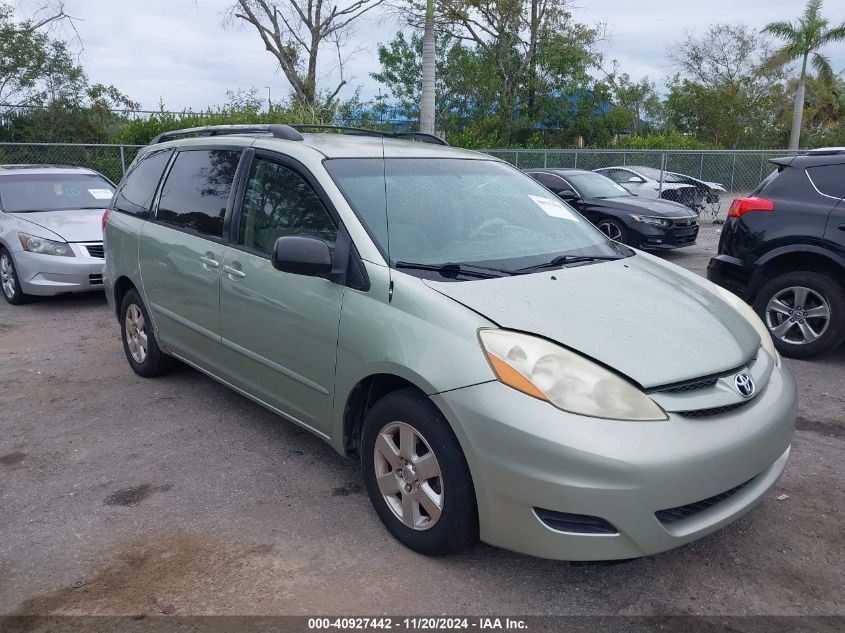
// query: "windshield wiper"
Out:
[450,269]
[563,260]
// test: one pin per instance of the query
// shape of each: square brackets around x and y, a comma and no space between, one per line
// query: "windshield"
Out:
[593,185]
[654,174]
[26,193]
[436,211]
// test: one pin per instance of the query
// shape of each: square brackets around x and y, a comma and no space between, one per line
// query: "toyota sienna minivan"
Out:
[500,367]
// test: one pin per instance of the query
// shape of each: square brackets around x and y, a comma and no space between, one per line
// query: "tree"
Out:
[428,72]
[725,92]
[803,41]
[28,55]
[293,32]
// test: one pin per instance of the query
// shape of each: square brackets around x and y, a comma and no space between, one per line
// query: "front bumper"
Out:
[656,238]
[525,455]
[47,275]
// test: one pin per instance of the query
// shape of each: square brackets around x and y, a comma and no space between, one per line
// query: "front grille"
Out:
[95,280]
[673,515]
[682,222]
[577,523]
[692,386]
[95,250]
[705,413]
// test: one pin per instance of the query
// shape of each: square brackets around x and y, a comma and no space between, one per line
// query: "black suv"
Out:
[783,250]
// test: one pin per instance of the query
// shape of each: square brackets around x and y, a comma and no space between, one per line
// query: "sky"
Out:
[178,51]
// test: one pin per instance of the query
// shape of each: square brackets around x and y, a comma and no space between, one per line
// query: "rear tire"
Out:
[804,312]
[10,285]
[139,342]
[417,476]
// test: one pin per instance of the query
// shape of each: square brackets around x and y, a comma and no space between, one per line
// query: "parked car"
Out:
[640,222]
[473,340]
[51,238]
[645,181]
[783,250]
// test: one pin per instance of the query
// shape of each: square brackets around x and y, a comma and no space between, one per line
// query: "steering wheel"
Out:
[487,226]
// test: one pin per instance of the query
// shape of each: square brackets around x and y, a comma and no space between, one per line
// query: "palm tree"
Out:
[427,105]
[802,41]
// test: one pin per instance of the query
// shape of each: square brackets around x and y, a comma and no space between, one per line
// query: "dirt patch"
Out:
[12,459]
[6,327]
[163,569]
[133,496]
[822,428]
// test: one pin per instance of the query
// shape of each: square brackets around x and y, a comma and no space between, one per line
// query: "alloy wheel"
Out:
[7,276]
[136,333]
[611,230]
[408,475]
[797,315]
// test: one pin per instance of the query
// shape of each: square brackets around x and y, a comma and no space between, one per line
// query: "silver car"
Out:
[51,237]
[646,182]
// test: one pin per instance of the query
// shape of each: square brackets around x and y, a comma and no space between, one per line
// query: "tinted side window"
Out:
[196,192]
[829,179]
[138,188]
[279,202]
[617,175]
[547,180]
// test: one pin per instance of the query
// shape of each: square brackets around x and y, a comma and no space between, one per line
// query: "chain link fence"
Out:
[737,170]
[109,160]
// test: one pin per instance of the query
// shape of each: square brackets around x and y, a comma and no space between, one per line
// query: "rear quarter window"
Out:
[828,179]
[135,194]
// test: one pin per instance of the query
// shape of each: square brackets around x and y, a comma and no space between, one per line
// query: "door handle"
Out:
[234,273]
[842,227]
[209,262]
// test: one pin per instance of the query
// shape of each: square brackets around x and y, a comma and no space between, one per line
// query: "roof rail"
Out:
[279,131]
[826,151]
[342,129]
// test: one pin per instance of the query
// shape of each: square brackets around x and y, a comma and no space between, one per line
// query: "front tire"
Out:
[417,476]
[139,342]
[613,229]
[804,311]
[9,282]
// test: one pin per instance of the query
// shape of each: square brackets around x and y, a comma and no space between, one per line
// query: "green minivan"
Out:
[501,369]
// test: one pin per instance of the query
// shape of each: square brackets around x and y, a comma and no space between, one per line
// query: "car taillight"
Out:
[105,219]
[741,206]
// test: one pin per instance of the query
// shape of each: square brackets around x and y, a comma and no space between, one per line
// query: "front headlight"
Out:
[748,313]
[44,247]
[564,379]
[647,220]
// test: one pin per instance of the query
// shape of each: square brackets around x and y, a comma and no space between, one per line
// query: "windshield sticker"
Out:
[101,194]
[553,208]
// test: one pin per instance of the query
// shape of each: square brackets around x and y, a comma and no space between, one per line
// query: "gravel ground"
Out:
[180,492]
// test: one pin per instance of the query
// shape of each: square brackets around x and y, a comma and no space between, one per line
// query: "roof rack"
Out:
[291,132]
[826,151]
[279,131]
[342,129]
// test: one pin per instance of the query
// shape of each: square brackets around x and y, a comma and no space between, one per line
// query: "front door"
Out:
[181,252]
[279,329]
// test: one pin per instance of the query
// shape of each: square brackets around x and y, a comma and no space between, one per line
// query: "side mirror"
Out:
[302,255]
[568,194]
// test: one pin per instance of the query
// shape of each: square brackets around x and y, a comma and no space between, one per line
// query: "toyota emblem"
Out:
[744,385]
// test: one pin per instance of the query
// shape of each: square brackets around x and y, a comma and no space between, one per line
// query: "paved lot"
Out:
[181,491]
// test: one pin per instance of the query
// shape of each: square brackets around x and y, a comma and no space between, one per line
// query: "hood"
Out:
[645,206]
[83,225]
[647,319]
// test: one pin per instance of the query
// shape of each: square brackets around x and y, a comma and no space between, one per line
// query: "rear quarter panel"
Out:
[121,245]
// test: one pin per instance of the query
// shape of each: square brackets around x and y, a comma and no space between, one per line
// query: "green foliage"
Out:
[667,140]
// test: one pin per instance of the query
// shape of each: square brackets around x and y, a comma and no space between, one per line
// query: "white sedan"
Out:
[51,236]
[646,182]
